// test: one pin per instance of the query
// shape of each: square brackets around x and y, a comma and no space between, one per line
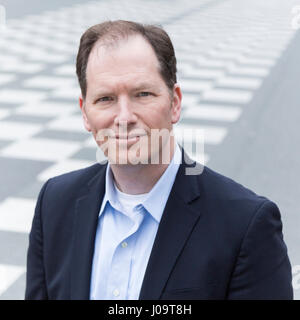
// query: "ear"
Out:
[176,103]
[84,116]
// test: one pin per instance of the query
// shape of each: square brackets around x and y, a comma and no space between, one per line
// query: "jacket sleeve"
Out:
[262,270]
[35,277]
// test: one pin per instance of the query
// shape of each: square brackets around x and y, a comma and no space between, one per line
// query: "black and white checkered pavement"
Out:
[225,50]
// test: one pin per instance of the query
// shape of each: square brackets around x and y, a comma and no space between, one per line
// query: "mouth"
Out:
[127,140]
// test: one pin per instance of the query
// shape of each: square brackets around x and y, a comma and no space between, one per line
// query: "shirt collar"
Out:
[157,197]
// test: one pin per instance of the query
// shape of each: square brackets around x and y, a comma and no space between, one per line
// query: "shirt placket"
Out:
[119,275]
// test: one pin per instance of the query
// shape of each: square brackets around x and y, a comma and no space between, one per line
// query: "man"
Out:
[139,227]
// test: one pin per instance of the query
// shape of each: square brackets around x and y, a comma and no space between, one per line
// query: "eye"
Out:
[104,99]
[144,94]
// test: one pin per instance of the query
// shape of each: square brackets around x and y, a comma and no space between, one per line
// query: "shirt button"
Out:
[138,207]
[116,292]
[124,244]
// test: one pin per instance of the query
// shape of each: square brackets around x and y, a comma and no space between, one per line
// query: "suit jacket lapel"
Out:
[85,225]
[176,225]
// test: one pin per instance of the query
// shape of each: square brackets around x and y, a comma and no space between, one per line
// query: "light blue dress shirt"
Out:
[125,236]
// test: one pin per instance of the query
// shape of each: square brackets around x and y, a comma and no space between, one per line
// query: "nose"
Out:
[125,113]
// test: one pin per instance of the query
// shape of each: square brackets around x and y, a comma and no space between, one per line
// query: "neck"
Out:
[139,178]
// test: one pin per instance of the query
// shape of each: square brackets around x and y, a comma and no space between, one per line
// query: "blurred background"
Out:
[238,66]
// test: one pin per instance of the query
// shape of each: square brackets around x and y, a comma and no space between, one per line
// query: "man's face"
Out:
[127,96]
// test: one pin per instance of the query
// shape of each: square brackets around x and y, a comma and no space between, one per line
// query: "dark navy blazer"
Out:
[216,240]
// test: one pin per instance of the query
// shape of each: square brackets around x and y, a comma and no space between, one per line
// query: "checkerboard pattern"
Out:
[225,50]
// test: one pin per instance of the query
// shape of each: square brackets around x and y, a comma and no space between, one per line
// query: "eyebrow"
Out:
[144,85]
[108,92]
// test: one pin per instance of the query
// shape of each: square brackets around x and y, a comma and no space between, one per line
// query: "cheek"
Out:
[157,116]
[98,120]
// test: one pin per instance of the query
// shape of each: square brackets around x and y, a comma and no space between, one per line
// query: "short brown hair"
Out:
[120,29]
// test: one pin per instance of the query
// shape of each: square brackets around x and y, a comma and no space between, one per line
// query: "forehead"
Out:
[132,56]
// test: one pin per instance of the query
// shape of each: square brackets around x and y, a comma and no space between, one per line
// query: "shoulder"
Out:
[79,175]
[72,182]
[218,186]
[230,202]
[233,211]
